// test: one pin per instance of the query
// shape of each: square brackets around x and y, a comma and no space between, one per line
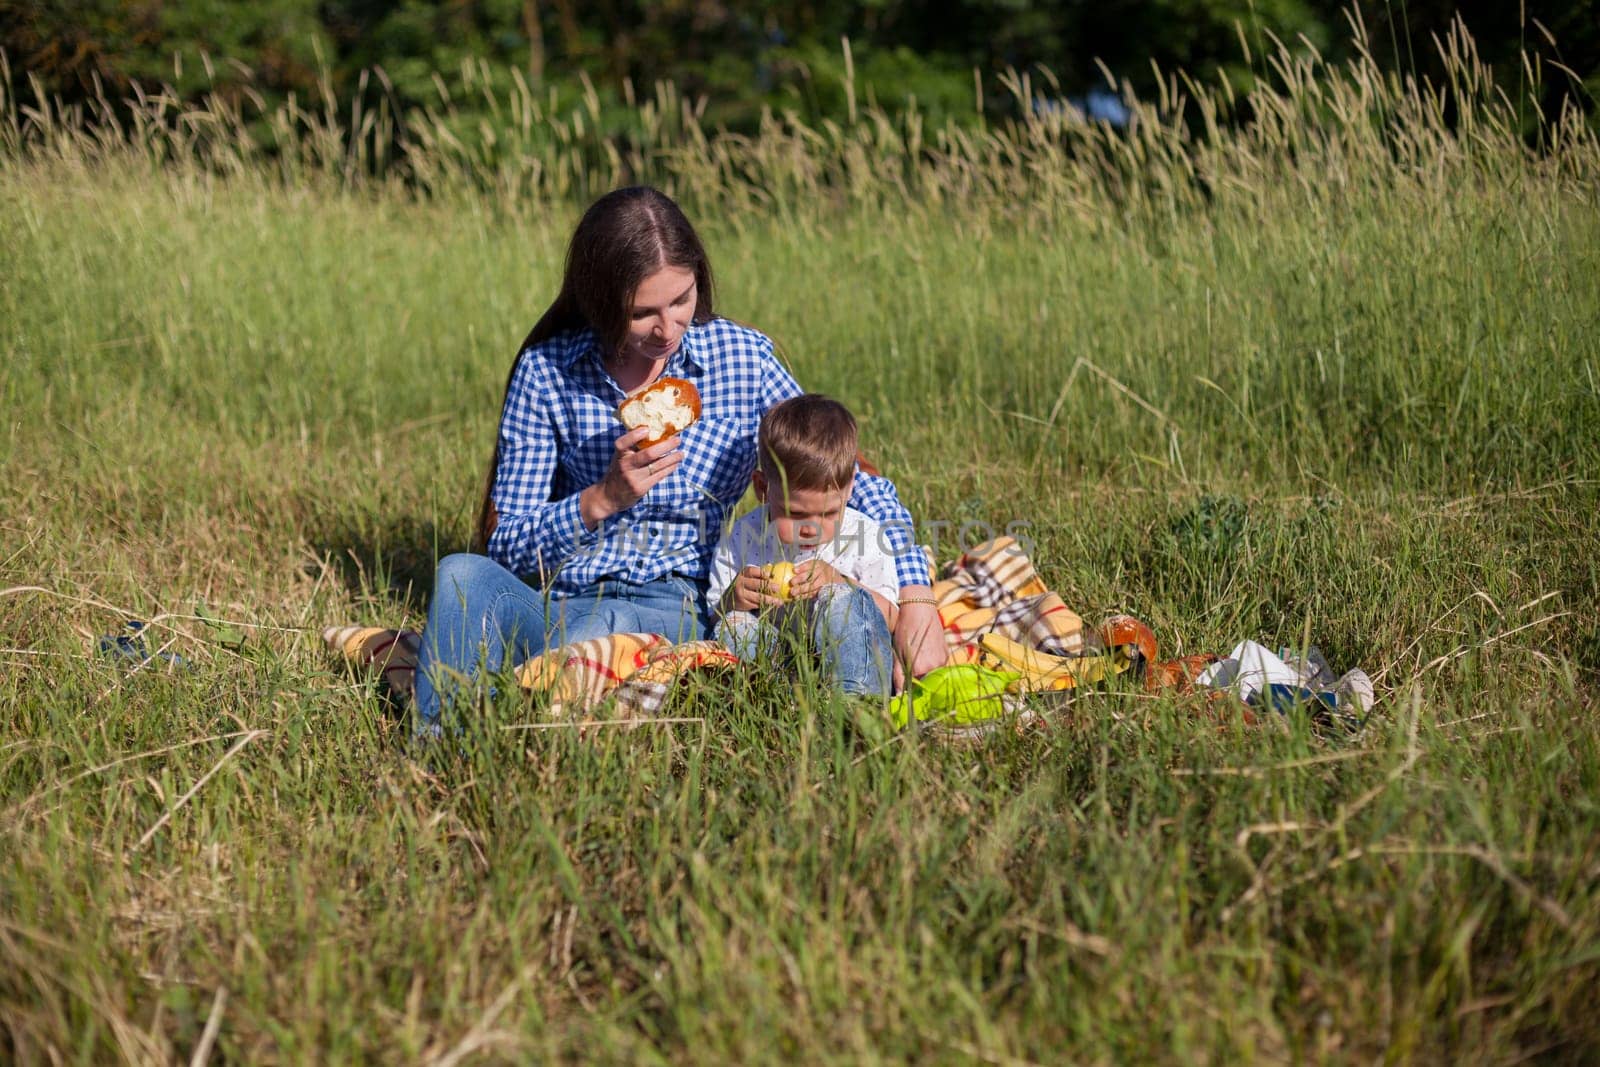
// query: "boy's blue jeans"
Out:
[843,628]
[482,615]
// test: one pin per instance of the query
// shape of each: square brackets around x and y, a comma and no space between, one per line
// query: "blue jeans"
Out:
[843,628]
[484,617]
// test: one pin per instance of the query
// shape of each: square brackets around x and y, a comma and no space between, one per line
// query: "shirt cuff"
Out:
[911,567]
[564,530]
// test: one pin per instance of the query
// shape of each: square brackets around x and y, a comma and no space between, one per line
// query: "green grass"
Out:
[1376,362]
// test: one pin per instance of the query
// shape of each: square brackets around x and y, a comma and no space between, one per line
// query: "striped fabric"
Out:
[994,589]
[637,669]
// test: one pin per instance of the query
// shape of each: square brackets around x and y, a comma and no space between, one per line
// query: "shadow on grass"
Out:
[389,560]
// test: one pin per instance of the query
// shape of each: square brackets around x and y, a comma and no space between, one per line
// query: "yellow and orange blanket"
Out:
[993,605]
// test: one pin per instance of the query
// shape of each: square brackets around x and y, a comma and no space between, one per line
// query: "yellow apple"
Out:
[781,574]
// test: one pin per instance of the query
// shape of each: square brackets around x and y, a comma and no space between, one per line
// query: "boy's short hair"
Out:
[808,442]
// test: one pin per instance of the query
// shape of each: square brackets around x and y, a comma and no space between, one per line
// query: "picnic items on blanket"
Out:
[1125,644]
[998,612]
[1286,682]
[1177,675]
[961,694]
[1007,634]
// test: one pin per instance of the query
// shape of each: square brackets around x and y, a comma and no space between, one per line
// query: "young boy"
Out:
[842,591]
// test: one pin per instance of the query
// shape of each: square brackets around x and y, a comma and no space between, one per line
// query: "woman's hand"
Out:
[752,590]
[918,637]
[632,472]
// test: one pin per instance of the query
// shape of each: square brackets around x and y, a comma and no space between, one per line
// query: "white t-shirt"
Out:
[858,551]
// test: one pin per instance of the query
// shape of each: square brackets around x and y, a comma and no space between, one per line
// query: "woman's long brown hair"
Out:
[625,236]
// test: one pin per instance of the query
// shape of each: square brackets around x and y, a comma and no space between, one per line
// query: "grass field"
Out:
[1335,372]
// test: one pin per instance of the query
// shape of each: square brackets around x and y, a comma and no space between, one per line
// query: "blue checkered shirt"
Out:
[558,432]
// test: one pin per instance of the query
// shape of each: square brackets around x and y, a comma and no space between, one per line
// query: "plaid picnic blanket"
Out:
[637,669]
[992,589]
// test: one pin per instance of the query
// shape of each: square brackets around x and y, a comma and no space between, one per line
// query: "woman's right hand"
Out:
[632,472]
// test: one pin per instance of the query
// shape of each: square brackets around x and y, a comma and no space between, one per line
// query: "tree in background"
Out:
[71,45]
[742,57]
[1566,32]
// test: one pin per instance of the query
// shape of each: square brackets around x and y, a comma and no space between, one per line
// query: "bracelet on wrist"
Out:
[919,600]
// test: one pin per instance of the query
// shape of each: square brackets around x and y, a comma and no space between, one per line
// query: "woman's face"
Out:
[663,306]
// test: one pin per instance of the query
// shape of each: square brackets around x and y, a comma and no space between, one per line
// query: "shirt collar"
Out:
[566,348]
[687,354]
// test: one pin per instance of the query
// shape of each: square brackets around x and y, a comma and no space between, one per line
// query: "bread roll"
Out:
[666,406]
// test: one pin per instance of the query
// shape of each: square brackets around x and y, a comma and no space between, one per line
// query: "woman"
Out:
[619,538]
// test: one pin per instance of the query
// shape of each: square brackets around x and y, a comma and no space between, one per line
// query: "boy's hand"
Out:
[753,590]
[810,577]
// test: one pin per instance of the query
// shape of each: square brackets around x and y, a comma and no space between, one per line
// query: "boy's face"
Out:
[804,518]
